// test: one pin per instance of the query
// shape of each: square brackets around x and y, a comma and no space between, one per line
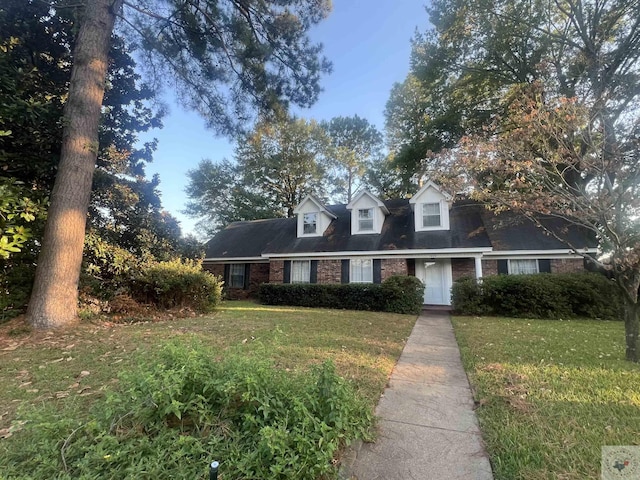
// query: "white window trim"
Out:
[444,216]
[317,224]
[231,275]
[422,215]
[371,218]
[510,269]
[308,262]
[360,261]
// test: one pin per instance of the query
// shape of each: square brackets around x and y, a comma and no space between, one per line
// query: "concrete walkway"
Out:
[428,429]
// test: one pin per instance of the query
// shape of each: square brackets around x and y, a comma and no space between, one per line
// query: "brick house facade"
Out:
[432,236]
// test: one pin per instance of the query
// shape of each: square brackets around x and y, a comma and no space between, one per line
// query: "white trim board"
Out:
[236,260]
[413,253]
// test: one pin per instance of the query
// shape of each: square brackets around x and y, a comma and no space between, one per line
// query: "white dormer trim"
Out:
[424,206]
[367,213]
[308,208]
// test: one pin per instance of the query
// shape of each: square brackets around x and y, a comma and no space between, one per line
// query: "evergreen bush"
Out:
[568,295]
[401,294]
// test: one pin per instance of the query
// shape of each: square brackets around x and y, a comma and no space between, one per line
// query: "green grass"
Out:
[550,393]
[75,366]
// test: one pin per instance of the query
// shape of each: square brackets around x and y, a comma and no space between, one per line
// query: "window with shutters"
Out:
[236,275]
[361,270]
[300,271]
[523,267]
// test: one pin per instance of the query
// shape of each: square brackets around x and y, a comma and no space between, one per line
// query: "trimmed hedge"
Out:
[399,294]
[567,295]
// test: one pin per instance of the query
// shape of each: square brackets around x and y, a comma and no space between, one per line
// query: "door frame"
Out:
[446,276]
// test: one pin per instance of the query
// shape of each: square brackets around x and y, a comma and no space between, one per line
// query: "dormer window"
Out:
[431,208]
[365,220]
[367,214]
[312,217]
[431,215]
[310,223]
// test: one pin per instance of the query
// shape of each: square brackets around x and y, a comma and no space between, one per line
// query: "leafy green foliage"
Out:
[218,195]
[176,283]
[403,294]
[478,50]
[17,209]
[400,294]
[170,418]
[276,165]
[355,296]
[568,295]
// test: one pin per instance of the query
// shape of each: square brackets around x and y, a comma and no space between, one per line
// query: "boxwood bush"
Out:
[403,294]
[399,294]
[539,296]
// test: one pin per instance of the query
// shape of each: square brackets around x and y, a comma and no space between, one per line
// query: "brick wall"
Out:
[489,267]
[329,271]
[567,265]
[463,267]
[259,275]
[393,266]
[217,269]
[276,271]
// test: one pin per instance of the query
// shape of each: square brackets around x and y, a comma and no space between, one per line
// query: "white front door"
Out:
[436,276]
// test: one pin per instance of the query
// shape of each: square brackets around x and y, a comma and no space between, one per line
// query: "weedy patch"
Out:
[270,392]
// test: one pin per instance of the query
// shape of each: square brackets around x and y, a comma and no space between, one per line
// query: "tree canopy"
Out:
[355,144]
[534,107]
[276,165]
[228,60]
[462,69]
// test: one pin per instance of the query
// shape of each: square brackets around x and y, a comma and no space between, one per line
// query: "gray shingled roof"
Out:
[471,226]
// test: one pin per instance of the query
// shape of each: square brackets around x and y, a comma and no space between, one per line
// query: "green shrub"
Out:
[185,409]
[176,283]
[403,294]
[568,295]
[16,281]
[348,296]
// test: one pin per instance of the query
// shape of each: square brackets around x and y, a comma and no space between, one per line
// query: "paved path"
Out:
[428,429]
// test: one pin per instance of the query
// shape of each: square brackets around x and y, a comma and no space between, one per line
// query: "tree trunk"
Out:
[54,300]
[631,330]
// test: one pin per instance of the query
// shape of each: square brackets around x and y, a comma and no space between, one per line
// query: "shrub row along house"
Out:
[433,236]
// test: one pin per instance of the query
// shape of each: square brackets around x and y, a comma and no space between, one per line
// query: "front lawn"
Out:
[70,370]
[550,393]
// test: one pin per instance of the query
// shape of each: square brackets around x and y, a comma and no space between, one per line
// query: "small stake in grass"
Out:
[213,471]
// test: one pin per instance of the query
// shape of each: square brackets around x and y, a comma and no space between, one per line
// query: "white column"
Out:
[478,267]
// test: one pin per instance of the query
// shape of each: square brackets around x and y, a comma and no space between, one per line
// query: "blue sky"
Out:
[368,42]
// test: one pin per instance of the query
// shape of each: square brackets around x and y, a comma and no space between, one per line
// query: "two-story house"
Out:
[433,236]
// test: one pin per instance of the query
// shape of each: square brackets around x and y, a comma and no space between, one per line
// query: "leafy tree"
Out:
[220,195]
[384,180]
[355,144]
[284,160]
[528,164]
[227,58]
[462,69]
[17,211]
[547,96]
